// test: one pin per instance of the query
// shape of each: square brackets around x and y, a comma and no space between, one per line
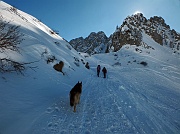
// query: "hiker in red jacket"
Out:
[104,70]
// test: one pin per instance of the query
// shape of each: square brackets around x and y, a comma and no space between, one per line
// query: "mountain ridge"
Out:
[130,32]
[94,43]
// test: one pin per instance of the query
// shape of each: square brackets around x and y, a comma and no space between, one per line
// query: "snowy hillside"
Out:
[141,93]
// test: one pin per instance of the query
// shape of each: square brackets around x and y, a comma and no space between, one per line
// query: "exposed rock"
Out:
[130,32]
[94,43]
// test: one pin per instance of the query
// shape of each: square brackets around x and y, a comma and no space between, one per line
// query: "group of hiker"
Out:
[104,70]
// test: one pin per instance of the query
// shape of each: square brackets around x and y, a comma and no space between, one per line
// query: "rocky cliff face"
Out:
[130,32]
[94,43]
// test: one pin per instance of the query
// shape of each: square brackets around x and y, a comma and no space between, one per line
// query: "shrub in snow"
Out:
[57,43]
[117,64]
[143,63]
[8,65]
[87,65]
[83,61]
[13,9]
[52,32]
[50,59]
[76,63]
[10,37]
[76,59]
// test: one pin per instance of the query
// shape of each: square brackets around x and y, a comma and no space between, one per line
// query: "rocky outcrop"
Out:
[130,32]
[94,43]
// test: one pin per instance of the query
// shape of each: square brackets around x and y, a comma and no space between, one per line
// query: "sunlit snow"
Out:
[134,98]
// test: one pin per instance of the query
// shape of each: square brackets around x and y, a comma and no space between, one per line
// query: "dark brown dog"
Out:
[75,95]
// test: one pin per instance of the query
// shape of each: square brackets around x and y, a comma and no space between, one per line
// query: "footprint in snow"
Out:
[57,109]
[49,110]
[50,124]
[122,87]
[63,132]
[87,132]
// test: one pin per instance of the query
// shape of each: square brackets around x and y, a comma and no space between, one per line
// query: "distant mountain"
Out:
[133,28]
[94,43]
[130,32]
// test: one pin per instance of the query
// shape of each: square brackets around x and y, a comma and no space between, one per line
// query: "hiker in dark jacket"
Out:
[87,65]
[98,70]
[104,70]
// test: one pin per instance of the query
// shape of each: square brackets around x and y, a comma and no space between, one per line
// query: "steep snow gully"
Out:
[118,104]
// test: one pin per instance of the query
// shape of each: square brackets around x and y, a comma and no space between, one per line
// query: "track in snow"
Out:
[113,105]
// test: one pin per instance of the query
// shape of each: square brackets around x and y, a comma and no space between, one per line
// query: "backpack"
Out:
[104,70]
[98,68]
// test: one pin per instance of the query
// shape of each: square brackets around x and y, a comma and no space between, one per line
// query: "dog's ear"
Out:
[81,82]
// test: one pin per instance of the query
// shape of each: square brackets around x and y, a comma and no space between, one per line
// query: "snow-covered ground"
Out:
[132,99]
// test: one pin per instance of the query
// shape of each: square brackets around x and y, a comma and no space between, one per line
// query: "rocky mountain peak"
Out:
[94,43]
[130,32]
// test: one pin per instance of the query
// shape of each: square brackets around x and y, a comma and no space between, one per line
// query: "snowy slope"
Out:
[132,99]
[20,93]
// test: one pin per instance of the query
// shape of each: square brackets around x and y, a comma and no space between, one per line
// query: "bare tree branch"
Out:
[8,65]
[10,36]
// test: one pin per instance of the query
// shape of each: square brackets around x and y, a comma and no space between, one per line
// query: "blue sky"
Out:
[76,18]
